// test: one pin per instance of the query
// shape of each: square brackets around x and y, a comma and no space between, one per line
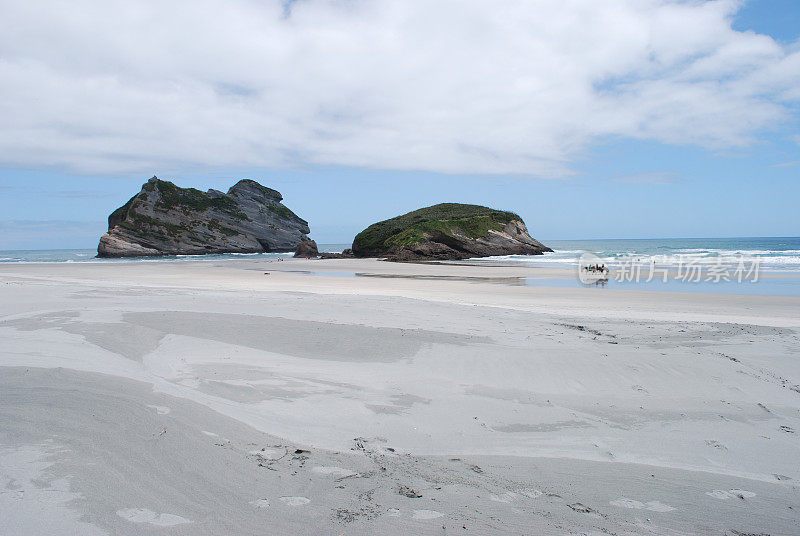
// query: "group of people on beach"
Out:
[596,268]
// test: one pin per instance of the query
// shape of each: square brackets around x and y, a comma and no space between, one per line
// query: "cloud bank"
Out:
[465,86]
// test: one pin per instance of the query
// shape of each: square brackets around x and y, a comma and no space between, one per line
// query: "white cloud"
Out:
[451,86]
[786,164]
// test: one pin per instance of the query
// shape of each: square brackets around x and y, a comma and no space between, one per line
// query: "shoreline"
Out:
[462,283]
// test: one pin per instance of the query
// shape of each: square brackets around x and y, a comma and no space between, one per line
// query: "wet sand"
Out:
[252,397]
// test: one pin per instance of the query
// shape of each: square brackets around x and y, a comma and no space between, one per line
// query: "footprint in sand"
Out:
[734,493]
[583,509]
[335,471]
[266,453]
[506,497]
[295,501]
[426,514]
[143,515]
[161,410]
[260,503]
[653,506]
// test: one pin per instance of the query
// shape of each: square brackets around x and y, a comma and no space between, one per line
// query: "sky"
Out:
[613,119]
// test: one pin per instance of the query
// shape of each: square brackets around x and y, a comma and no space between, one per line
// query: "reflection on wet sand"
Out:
[512,281]
[520,281]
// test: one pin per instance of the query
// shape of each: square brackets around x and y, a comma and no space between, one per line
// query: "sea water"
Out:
[774,254]
[90,255]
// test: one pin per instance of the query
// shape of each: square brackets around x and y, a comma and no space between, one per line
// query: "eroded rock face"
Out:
[164,219]
[307,249]
[446,232]
[513,239]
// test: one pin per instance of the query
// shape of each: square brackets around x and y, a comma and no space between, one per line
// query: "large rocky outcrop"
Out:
[164,219]
[447,231]
[307,249]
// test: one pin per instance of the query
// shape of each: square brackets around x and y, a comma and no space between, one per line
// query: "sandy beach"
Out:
[364,397]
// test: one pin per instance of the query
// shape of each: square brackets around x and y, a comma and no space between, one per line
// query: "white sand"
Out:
[172,397]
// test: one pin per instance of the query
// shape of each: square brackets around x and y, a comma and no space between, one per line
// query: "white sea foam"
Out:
[782,260]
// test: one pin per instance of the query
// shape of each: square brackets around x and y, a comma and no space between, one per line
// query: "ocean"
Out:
[774,254]
[90,255]
[771,265]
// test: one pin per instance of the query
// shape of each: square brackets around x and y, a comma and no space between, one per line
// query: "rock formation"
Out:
[307,250]
[346,254]
[447,231]
[164,219]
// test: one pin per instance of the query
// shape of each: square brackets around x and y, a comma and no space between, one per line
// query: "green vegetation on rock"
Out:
[119,215]
[145,225]
[214,224]
[269,192]
[173,197]
[281,211]
[473,221]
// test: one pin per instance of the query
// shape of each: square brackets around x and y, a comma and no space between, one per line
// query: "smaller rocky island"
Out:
[448,231]
[163,219]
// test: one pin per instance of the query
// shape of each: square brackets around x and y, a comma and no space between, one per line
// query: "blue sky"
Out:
[653,175]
